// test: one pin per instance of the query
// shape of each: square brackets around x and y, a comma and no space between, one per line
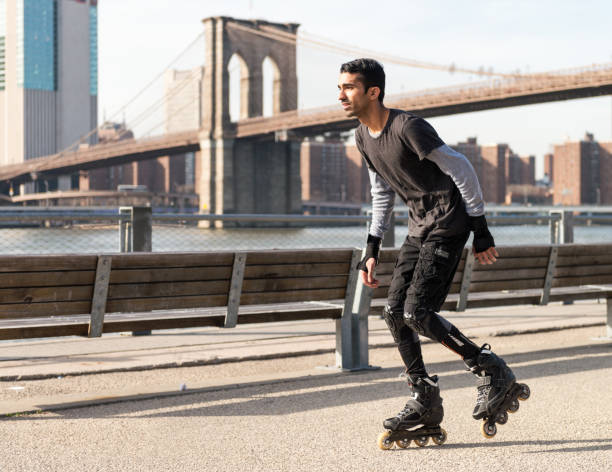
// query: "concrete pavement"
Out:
[40,375]
[283,415]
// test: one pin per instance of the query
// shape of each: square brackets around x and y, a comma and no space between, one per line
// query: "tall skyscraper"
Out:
[48,76]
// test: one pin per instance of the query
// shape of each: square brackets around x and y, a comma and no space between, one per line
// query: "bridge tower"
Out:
[247,175]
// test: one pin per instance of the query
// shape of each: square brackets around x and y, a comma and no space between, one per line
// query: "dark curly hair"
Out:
[371,72]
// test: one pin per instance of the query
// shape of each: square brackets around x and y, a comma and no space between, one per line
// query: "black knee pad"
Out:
[395,322]
[427,322]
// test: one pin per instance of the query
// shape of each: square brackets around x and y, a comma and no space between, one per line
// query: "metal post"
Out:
[550,274]
[125,230]
[142,229]
[100,293]
[233,299]
[564,228]
[136,235]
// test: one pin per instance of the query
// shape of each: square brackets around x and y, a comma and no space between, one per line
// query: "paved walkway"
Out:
[284,415]
[59,360]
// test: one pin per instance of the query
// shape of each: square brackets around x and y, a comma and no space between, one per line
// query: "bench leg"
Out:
[352,328]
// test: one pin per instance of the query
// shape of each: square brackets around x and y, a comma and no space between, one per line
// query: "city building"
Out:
[493,174]
[48,78]
[520,170]
[548,168]
[471,150]
[333,173]
[578,172]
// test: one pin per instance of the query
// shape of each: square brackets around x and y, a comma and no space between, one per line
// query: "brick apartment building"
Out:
[333,172]
[582,172]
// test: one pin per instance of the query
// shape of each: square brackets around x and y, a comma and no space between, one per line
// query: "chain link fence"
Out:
[106,230]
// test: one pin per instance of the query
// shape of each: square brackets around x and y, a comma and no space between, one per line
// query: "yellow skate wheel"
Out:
[488,430]
[402,443]
[440,438]
[383,441]
[421,441]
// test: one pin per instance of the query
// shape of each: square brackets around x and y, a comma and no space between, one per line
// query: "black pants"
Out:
[422,278]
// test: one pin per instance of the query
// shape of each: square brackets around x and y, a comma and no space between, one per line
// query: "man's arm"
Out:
[460,170]
[383,199]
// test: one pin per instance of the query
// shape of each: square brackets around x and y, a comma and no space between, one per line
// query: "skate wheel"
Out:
[421,441]
[402,443]
[525,392]
[440,439]
[383,441]
[488,430]
[502,418]
[514,406]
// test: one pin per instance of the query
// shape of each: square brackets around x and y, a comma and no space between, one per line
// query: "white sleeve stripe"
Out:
[383,199]
[458,168]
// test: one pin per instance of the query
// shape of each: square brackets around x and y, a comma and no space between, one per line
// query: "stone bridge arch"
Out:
[257,174]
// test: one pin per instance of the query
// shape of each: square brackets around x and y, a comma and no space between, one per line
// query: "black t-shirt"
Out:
[398,156]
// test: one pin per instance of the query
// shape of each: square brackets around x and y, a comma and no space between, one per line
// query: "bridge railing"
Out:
[87,230]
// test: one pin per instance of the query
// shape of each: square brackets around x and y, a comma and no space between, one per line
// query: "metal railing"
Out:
[55,230]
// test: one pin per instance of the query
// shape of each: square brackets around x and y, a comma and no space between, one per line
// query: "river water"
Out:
[97,239]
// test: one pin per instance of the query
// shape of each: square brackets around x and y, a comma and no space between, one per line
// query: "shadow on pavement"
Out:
[309,393]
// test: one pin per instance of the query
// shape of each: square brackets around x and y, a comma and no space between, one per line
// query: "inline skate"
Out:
[419,420]
[498,391]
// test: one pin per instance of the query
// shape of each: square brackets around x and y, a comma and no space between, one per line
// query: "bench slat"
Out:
[166,260]
[26,263]
[569,271]
[48,331]
[601,259]
[504,263]
[292,270]
[505,285]
[585,249]
[167,289]
[165,303]
[178,274]
[35,310]
[278,285]
[29,295]
[47,279]
[582,280]
[295,296]
[517,274]
[298,257]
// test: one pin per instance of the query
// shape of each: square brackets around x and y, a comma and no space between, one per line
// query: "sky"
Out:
[137,40]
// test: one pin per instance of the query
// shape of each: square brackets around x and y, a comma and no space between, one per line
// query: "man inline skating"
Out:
[405,156]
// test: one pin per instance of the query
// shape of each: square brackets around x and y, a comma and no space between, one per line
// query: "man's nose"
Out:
[341,95]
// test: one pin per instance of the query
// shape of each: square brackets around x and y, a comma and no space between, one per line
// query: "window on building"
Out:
[37,44]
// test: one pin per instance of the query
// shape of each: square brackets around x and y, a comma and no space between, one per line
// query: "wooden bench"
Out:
[522,275]
[87,295]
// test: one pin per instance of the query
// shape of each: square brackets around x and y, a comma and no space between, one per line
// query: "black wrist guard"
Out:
[372,250]
[483,239]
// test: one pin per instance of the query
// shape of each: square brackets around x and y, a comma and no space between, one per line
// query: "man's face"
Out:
[352,95]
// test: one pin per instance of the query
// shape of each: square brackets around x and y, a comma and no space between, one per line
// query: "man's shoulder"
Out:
[403,118]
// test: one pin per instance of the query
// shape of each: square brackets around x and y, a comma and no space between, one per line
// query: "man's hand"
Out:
[488,256]
[368,277]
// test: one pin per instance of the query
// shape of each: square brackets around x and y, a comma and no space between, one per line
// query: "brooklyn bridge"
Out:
[251,165]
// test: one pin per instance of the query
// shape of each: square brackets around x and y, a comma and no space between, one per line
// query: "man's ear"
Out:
[374,92]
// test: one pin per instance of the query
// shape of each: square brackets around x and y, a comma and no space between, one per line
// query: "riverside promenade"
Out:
[258,397]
